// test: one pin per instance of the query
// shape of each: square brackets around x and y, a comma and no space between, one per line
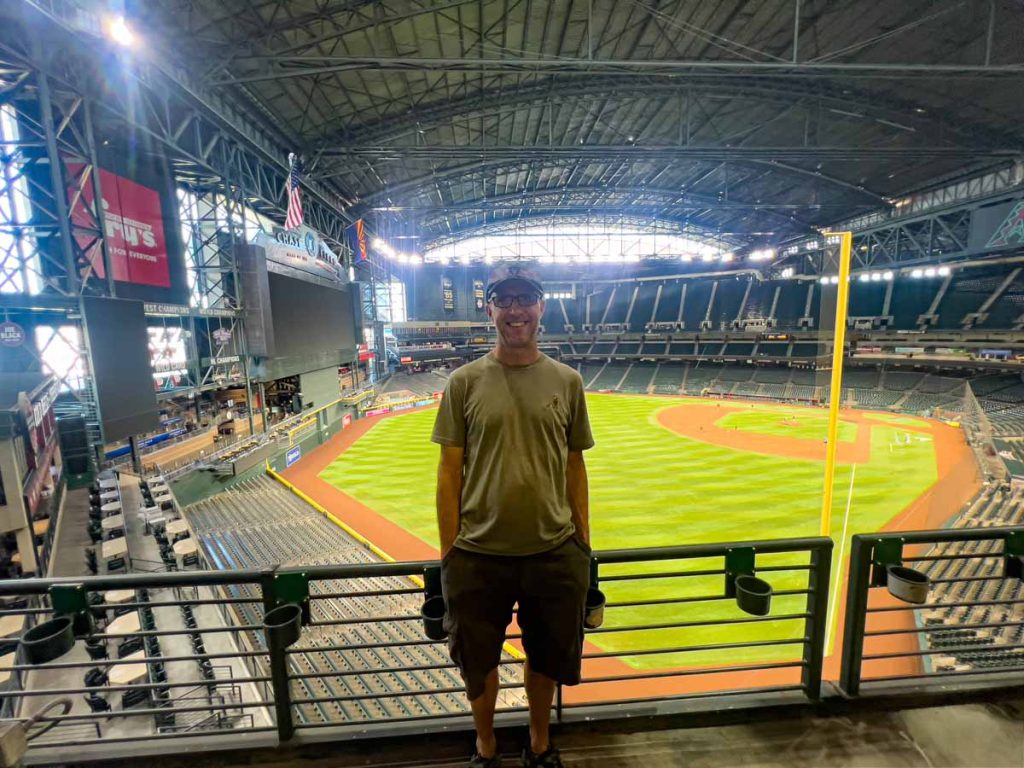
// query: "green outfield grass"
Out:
[651,487]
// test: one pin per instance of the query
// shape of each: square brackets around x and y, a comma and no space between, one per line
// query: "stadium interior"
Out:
[244,244]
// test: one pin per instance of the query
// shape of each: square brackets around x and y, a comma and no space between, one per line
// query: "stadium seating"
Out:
[639,378]
[258,523]
[669,378]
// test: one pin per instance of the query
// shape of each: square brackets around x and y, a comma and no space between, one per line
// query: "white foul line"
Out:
[838,569]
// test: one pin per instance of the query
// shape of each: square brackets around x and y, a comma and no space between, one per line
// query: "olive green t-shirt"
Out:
[517,425]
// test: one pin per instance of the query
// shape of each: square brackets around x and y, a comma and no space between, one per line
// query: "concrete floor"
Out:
[978,735]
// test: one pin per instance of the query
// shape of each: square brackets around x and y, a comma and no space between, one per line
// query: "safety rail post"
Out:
[856,614]
[816,625]
[278,651]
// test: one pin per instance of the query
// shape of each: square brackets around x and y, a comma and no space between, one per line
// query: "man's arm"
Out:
[449,495]
[578,493]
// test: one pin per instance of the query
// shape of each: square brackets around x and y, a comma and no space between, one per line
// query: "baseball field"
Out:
[671,471]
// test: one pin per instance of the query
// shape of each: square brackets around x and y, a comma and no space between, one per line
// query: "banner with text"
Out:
[133,220]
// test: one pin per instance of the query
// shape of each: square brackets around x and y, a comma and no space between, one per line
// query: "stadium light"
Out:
[823,281]
[887,275]
[918,273]
[944,271]
[787,272]
[931,272]
[727,257]
[876,276]
[864,277]
[834,279]
[118,30]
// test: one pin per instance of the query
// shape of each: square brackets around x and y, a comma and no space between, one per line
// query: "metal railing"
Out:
[674,638]
[970,625]
[363,663]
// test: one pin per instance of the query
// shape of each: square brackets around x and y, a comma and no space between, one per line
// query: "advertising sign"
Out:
[997,227]
[378,411]
[134,225]
[11,335]
[300,249]
[293,455]
[346,420]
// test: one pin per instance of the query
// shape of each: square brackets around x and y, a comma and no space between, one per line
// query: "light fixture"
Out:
[887,275]
[488,259]
[944,271]
[787,272]
[864,277]
[727,257]
[117,30]
[834,279]
[823,280]
[918,273]
[930,272]
[876,276]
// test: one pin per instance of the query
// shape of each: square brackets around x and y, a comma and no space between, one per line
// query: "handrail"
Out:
[362,665]
[872,554]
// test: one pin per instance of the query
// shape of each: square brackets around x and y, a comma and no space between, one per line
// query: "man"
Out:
[513,514]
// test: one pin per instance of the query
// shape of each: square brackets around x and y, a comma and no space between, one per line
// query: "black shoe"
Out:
[549,758]
[479,761]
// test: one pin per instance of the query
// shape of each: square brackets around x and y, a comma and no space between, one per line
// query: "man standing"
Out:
[513,514]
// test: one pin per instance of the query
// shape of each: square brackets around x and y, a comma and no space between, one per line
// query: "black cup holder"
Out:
[49,640]
[283,624]
[594,615]
[432,612]
[907,585]
[753,595]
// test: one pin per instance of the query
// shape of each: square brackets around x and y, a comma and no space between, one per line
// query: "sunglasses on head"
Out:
[522,299]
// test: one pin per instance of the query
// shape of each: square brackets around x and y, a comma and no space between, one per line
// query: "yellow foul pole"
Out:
[835,390]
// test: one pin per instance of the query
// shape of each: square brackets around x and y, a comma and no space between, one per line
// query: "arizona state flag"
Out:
[357,240]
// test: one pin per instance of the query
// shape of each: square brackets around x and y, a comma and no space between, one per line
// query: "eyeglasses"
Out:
[522,299]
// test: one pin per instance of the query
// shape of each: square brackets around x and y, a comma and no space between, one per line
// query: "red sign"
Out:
[134,226]
[346,420]
[39,477]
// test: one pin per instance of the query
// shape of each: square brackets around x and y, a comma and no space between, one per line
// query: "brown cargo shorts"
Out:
[550,589]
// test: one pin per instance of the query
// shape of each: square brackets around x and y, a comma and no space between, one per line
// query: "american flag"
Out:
[294,217]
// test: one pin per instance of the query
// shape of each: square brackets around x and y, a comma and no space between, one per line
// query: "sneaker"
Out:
[549,758]
[479,761]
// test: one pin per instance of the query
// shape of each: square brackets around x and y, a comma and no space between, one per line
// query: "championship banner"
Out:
[134,225]
[447,294]
[478,295]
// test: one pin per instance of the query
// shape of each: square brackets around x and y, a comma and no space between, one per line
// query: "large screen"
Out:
[119,344]
[312,325]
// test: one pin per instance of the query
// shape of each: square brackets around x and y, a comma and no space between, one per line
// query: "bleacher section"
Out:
[869,388]
[669,378]
[970,575]
[638,378]
[260,524]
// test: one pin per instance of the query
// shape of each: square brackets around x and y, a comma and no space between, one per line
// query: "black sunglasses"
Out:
[522,299]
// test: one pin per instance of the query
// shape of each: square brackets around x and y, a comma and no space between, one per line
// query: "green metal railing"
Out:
[973,617]
[353,660]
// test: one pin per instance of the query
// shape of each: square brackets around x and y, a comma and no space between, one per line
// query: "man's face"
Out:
[517,326]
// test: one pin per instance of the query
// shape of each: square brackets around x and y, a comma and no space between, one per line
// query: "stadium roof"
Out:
[466,116]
